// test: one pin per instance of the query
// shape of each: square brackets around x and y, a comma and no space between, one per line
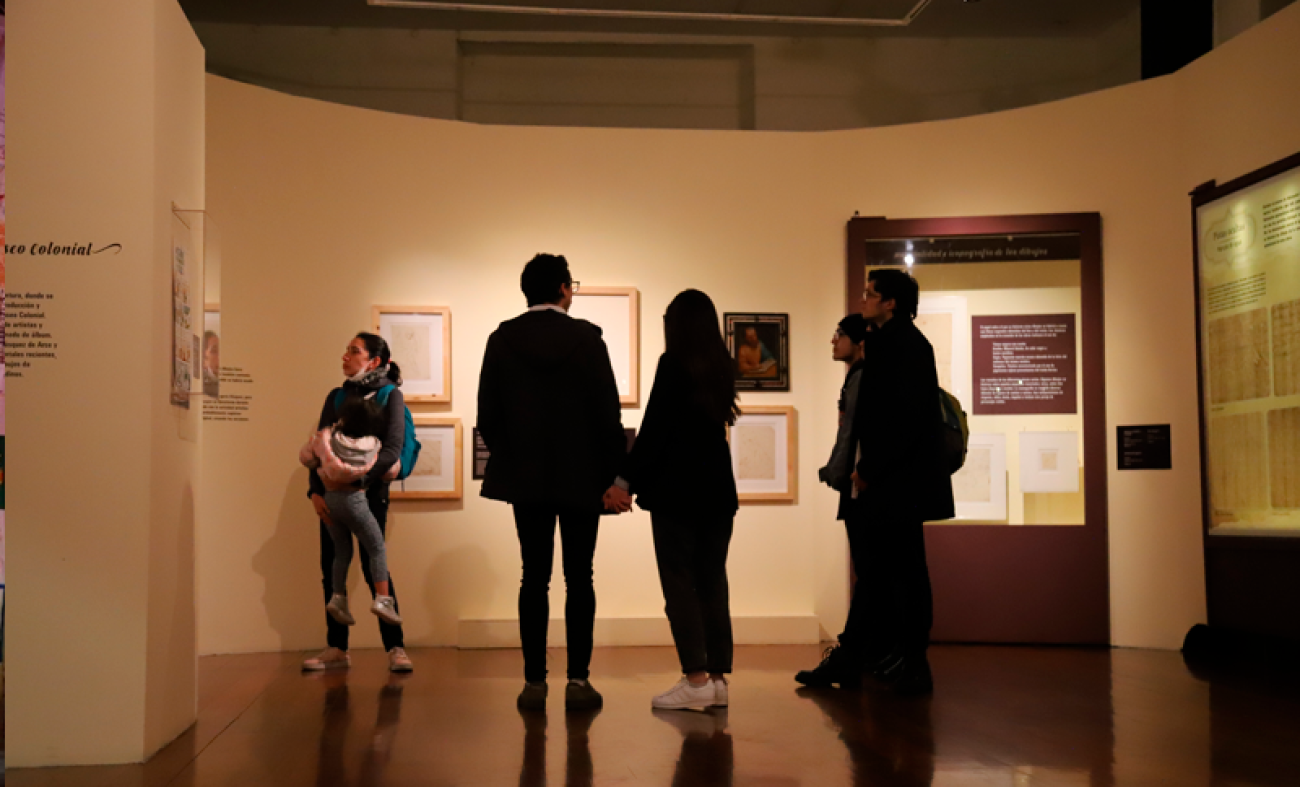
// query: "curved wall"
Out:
[325,210]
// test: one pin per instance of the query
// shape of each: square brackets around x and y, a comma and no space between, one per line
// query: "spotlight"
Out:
[909,259]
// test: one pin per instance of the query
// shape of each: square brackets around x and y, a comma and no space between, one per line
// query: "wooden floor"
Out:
[1001,717]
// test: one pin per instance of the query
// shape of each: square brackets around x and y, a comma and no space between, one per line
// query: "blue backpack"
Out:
[410,446]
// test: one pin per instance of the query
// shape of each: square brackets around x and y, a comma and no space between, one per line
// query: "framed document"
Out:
[437,472]
[764,442]
[420,340]
[1049,462]
[617,311]
[979,488]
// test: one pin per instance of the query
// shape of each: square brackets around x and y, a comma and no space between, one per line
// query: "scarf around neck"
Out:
[368,379]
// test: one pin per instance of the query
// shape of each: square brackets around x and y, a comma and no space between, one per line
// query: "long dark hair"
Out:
[692,337]
[377,347]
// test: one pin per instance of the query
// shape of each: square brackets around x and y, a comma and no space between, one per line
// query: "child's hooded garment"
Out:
[341,459]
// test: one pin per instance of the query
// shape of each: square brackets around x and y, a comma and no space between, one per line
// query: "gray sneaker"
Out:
[581,695]
[386,610]
[533,697]
[337,607]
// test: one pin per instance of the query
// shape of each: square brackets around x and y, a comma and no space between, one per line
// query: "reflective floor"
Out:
[1002,717]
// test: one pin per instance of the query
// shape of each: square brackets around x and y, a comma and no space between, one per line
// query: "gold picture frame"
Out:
[605,307]
[439,471]
[420,340]
[764,444]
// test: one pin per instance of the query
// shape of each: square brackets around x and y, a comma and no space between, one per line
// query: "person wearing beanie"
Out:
[847,346]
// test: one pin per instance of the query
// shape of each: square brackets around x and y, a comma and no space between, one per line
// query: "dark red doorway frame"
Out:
[1025,583]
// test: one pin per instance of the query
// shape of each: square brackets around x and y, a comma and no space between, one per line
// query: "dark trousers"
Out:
[864,633]
[535,525]
[891,608]
[336,635]
[691,551]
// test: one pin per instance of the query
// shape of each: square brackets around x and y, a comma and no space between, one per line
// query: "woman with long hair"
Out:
[369,373]
[680,471]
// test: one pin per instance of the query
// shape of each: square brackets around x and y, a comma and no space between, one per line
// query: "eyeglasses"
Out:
[574,285]
[868,295]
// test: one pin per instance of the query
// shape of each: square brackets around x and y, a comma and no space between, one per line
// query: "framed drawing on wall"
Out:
[764,448]
[420,339]
[979,488]
[760,349]
[437,473]
[617,311]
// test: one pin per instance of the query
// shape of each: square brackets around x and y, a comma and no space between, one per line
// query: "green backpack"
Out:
[956,434]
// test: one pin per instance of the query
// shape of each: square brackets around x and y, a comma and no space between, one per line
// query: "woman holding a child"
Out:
[371,400]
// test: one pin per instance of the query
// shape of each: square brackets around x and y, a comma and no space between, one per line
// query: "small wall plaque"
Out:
[1144,447]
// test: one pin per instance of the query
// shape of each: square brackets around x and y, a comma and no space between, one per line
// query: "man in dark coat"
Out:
[901,482]
[549,413]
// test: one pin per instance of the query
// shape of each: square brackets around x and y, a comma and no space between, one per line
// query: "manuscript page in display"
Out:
[1249,301]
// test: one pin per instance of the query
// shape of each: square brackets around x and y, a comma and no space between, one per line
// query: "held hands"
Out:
[617,500]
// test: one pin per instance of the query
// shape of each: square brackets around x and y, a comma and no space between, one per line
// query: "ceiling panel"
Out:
[829,12]
[941,18]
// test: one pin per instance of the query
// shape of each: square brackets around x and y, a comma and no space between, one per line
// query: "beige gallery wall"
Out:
[101,638]
[326,210]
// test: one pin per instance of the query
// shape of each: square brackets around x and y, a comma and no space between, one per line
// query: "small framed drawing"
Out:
[979,488]
[760,349]
[1049,462]
[764,447]
[617,311]
[420,339]
[437,473]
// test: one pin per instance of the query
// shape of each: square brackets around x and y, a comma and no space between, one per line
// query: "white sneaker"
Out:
[386,609]
[327,659]
[338,609]
[719,692]
[684,695]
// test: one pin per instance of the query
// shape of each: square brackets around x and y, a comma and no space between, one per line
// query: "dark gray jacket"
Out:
[837,474]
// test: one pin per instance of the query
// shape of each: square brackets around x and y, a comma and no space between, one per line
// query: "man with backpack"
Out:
[902,480]
[549,413]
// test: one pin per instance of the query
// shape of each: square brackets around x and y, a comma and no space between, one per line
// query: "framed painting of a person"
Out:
[759,345]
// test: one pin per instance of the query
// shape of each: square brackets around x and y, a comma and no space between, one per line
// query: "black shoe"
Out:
[837,666]
[533,697]
[582,696]
[909,676]
[885,665]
